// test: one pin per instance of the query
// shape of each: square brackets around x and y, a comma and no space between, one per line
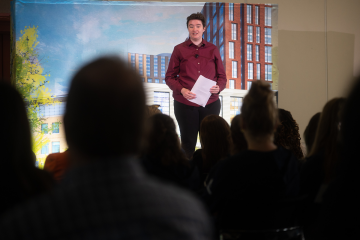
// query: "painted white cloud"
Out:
[60,89]
[88,29]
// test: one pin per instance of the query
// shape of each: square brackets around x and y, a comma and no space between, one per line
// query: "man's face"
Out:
[196,29]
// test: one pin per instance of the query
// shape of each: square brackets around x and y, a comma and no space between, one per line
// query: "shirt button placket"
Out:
[197,50]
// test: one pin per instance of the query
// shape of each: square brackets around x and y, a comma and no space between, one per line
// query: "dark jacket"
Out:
[248,184]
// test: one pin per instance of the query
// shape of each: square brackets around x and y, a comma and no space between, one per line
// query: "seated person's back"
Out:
[246,190]
[105,194]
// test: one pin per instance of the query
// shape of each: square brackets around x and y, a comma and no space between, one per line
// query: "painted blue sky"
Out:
[71,34]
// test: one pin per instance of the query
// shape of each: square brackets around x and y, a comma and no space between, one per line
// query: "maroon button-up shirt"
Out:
[188,62]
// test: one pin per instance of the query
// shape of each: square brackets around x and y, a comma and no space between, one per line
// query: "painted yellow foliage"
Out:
[39,140]
[30,81]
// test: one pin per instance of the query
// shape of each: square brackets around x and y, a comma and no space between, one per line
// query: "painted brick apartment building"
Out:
[242,32]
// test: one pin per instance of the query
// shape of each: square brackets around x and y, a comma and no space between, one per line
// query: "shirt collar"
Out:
[189,42]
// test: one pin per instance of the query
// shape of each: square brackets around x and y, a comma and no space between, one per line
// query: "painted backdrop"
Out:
[52,39]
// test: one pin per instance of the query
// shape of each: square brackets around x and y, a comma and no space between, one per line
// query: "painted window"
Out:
[268,57]
[233,31]
[231,50]
[268,72]
[163,99]
[45,149]
[148,66]
[214,25]
[44,128]
[249,52]
[267,35]
[257,15]
[250,33]
[248,13]
[232,84]
[221,35]
[250,71]
[55,127]
[234,69]
[162,67]
[267,16]
[141,66]
[221,15]
[231,11]
[208,34]
[155,66]
[235,106]
[133,60]
[55,148]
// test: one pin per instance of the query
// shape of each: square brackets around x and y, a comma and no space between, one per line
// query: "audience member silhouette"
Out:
[106,195]
[216,144]
[339,214]
[246,188]
[320,167]
[323,160]
[287,134]
[164,157]
[310,131]
[238,138]
[19,178]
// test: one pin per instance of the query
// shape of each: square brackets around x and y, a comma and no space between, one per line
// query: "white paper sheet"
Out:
[202,90]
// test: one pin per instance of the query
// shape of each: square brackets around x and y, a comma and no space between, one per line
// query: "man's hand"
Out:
[215,89]
[187,94]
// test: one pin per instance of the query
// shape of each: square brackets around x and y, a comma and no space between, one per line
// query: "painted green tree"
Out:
[29,78]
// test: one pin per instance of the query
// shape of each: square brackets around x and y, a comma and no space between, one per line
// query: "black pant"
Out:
[189,119]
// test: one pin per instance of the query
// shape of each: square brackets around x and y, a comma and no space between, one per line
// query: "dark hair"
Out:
[215,140]
[163,141]
[310,131]
[105,109]
[350,132]
[287,134]
[327,136]
[259,111]
[238,138]
[196,16]
[19,179]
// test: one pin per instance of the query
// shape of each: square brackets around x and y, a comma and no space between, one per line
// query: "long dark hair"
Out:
[238,138]
[327,137]
[287,134]
[19,178]
[310,131]
[216,142]
[163,141]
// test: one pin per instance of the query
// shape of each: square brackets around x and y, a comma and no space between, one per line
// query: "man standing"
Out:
[105,194]
[189,60]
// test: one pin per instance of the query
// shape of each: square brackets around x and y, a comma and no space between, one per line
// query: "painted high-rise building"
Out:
[242,32]
[152,68]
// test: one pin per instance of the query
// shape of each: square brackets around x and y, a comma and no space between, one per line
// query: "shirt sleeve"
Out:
[220,71]
[171,77]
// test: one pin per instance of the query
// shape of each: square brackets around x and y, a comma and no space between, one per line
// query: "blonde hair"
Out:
[152,110]
[259,111]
